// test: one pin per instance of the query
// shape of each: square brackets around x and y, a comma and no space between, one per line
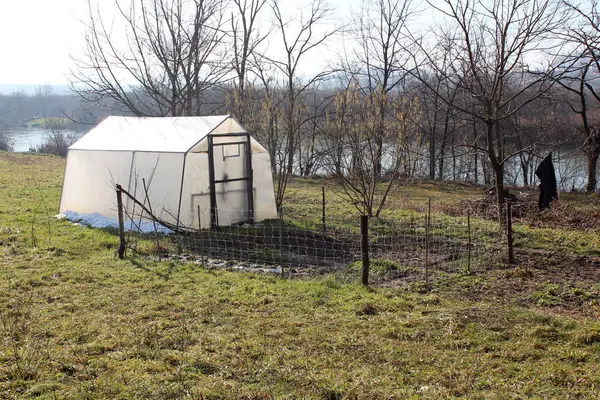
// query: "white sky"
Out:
[38,37]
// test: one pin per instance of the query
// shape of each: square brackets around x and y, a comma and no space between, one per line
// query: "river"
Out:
[26,138]
[570,165]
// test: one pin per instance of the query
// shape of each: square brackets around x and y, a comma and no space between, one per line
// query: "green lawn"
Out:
[573,225]
[75,322]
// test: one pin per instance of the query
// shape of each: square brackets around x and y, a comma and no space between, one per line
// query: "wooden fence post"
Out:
[509,233]
[323,216]
[469,233]
[427,223]
[364,235]
[122,243]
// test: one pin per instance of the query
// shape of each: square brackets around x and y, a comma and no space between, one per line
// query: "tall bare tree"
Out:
[439,119]
[535,127]
[585,35]
[352,147]
[170,56]
[493,42]
[300,38]
[311,152]
[382,36]
[43,93]
[246,38]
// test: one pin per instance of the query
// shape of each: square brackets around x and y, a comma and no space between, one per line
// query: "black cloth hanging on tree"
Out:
[547,185]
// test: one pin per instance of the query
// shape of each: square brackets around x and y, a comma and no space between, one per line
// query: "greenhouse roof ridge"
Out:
[155,134]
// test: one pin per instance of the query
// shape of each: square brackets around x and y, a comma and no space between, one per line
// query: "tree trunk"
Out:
[291,129]
[290,150]
[432,156]
[499,177]
[476,167]
[592,156]
[380,132]
[476,153]
[453,161]
[441,164]
[498,168]
[531,171]
[525,169]
[378,156]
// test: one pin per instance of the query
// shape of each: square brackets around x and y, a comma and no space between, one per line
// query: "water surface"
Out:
[27,138]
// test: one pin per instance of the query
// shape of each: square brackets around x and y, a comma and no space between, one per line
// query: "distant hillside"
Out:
[30,89]
[19,109]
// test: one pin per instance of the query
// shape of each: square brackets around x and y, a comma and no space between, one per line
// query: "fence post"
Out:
[469,233]
[201,238]
[509,233]
[122,243]
[323,216]
[427,222]
[364,235]
[147,199]
[281,240]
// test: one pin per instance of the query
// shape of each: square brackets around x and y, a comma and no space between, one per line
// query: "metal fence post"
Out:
[201,238]
[364,235]
[509,233]
[122,243]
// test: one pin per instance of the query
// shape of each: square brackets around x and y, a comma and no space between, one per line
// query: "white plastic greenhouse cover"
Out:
[165,135]
[171,155]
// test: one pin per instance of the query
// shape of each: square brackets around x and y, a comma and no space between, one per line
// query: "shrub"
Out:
[6,143]
[57,143]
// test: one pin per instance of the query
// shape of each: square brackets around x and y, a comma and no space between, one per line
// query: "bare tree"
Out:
[58,138]
[382,36]
[492,43]
[536,128]
[585,35]
[265,117]
[311,151]
[299,40]
[171,55]
[246,38]
[352,148]
[439,120]
[43,93]
[6,142]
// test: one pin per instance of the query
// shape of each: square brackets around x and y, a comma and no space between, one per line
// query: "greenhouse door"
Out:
[231,183]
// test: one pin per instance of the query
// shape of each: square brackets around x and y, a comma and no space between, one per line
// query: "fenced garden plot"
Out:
[407,243]
[272,243]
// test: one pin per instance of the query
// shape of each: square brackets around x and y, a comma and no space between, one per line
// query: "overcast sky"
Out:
[37,38]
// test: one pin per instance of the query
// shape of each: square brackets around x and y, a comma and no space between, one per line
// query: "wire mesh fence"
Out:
[432,243]
[420,241]
[271,243]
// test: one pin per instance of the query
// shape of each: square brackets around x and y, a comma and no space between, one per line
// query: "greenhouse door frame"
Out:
[214,212]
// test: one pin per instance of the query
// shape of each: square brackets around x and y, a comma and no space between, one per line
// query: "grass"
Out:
[76,322]
[407,207]
[44,122]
